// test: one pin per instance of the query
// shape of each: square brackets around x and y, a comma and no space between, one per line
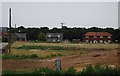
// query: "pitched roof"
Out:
[98,34]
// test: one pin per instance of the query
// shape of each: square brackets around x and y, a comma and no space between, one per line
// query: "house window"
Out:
[53,40]
[95,36]
[101,41]
[58,36]
[49,35]
[58,40]
[101,36]
[87,37]
[109,41]
[87,41]
[95,41]
[91,41]
[109,36]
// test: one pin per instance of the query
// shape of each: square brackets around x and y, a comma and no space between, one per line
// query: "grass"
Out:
[89,70]
[32,56]
[50,50]
[9,56]
[63,46]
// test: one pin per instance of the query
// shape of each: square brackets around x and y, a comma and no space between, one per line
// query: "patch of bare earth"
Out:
[77,61]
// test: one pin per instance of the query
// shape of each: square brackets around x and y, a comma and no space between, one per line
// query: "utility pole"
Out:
[62,27]
[9,30]
[15,26]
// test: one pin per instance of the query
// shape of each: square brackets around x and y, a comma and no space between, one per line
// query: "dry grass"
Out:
[43,53]
[112,46]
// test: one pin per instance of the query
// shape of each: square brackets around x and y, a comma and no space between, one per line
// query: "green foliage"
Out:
[42,71]
[41,37]
[49,48]
[70,70]
[33,56]
[9,56]
[96,70]
[53,55]
[9,72]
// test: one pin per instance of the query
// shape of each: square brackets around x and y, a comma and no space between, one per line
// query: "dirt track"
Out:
[77,61]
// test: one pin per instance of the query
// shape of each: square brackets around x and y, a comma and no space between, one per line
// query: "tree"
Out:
[41,37]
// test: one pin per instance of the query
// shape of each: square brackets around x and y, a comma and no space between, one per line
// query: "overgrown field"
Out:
[32,58]
[24,50]
[89,70]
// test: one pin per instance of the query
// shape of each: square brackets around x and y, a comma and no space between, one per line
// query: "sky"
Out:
[51,14]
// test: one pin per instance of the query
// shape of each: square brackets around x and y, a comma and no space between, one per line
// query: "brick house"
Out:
[97,37]
[54,37]
[4,34]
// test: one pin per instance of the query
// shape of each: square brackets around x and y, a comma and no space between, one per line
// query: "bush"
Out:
[60,54]
[8,56]
[70,70]
[96,70]
[53,55]
[33,56]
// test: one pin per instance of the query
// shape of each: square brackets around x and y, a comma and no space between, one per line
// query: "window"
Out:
[101,41]
[87,37]
[101,36]
[109,36]
[95,41]
[54,40]
[95,36]
[87,40]
[58,36]
[49,35]
[109,41]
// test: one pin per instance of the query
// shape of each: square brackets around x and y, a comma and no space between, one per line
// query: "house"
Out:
[97,37]
[21,36]
[4,34]
[54,37]
[14,36]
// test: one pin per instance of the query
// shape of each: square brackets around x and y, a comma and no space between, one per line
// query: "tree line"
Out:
[68,33]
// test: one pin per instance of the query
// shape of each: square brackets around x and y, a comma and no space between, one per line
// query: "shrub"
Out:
[96,70]
[33,56]
[53,55]
[9,56]
[60,54]
[70,70]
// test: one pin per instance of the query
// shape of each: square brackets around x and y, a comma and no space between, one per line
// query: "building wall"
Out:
[54,37]
[91,39]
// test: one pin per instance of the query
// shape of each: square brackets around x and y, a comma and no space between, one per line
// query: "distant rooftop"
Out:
[98,34]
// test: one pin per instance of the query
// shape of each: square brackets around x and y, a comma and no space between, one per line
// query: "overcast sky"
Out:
[51,14]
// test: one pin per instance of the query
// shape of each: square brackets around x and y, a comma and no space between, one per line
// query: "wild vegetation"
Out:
[89,70]
[41,54]
[24,50]
[32,56]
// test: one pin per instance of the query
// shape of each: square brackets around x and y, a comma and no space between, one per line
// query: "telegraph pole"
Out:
[9,30]
[62,27]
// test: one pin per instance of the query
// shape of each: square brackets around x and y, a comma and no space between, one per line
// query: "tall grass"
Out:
[32,56]
[12,56]
[28,47]
[96,70]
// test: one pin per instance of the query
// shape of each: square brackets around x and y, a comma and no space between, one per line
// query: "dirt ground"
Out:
[77,61]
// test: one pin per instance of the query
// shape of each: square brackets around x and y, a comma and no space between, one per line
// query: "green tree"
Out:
[41,37]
